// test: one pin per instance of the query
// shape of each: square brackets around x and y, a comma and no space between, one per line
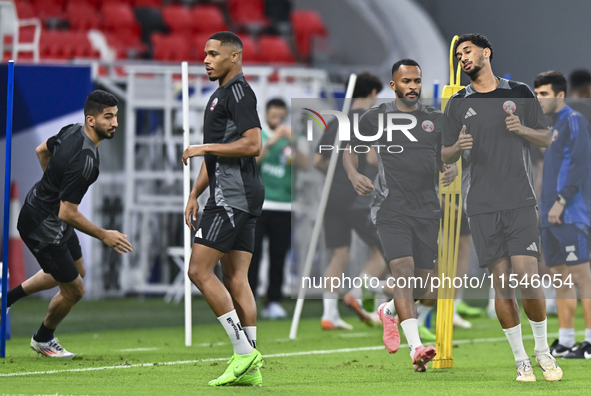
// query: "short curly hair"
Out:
[477,39]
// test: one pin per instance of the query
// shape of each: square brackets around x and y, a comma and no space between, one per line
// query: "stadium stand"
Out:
[178,18]
[51,12]
[19,31]
[81,45]
[25,10]
[250,53]
[123,30]
[274,49]
[147,3]
[82,16]
[152,29]
[174,47]
[248,13]
[56,44]
[208,19]
[306,24]
[198,43]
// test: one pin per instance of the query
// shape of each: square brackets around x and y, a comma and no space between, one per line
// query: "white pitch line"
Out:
[275,355]
[138,349]
[353,335]
[212,344]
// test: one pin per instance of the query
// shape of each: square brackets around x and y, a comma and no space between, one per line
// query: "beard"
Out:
[474,71]
[103,134]
[476,67]
[213,78]
[408,102]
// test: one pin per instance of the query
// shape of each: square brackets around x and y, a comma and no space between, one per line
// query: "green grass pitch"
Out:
[136,347]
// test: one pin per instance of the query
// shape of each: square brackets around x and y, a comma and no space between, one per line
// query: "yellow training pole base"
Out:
[444,331]
[443,362]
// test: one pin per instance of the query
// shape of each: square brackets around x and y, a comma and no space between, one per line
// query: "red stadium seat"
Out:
[126,44]
[250,53]
[114,41]
[103,3]
[122,30]
[274,49]
[20,16]
[25,10]
[93,3]
[46,9]
[198,44]
[174,47]
[147,3]
[117,16]
[81,46]
[56,45]
[82,16]
[25,35]
[247,12]
[178,18]
[208,19]
[306,24]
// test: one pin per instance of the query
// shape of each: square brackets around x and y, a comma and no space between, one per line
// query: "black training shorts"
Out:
[338,225]
[226,229]
[512,232]
[58,260]
[406,236]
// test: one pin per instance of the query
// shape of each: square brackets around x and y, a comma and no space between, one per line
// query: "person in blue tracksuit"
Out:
[565,212]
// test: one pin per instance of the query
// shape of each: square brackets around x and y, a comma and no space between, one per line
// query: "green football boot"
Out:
[238,367]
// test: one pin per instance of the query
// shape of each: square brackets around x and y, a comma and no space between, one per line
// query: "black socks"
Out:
[44,334]
[15,294]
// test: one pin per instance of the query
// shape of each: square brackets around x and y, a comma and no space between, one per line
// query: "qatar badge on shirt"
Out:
[213,104]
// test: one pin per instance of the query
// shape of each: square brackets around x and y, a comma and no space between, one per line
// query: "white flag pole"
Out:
[186,192]
[320,216]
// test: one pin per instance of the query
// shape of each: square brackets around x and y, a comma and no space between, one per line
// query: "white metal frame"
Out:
[10,25]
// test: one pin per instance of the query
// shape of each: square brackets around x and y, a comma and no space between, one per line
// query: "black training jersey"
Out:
[501,169]
[406,182]
[233,182]
[342,194]
[72,168]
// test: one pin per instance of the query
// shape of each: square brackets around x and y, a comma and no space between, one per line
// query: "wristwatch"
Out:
[560,199]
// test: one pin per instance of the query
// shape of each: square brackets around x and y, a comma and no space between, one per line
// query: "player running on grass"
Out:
[565,210]
[232,140]
[406,210]
[497,120]
[70,162]
[346,211]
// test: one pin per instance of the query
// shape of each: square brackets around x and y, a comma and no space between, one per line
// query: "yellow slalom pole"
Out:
[449,239]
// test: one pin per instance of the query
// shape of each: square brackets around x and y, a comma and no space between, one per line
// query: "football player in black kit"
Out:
[406,210]
[231,141]
[70,163]
[497,120]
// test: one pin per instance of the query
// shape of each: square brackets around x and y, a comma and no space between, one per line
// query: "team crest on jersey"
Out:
[428,126]
[213,104]
[285,157]
[510,106]
[554,135]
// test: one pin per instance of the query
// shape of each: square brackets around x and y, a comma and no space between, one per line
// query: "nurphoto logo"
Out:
[394,122]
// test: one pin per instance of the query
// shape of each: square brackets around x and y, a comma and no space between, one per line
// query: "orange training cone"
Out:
[16,262]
